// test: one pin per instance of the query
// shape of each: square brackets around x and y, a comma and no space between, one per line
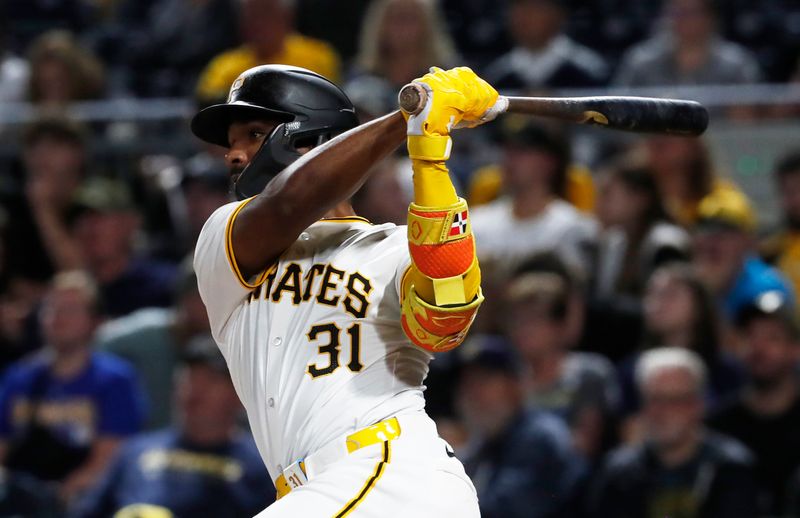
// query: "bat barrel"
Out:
[637,114]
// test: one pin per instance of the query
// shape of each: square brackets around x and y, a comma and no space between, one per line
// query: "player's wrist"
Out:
[429,148]
[432,184]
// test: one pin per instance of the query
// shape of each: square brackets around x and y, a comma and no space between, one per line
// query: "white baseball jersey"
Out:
[314,344]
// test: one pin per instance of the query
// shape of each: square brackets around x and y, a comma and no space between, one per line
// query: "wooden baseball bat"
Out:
[638,114]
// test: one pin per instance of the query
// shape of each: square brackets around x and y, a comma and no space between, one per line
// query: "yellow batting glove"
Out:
[453,95]
[480,95]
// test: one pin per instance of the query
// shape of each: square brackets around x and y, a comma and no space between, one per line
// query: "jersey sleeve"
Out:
[402,268]
[221,284]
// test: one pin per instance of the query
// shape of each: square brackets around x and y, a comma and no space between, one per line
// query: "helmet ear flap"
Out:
[276,153]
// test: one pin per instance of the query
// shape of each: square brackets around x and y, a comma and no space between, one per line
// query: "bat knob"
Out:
[412,98]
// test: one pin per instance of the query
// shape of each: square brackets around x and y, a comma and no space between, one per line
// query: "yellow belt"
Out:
[383,431]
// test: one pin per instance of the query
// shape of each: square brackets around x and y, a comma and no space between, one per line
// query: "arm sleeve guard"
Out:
[441,292]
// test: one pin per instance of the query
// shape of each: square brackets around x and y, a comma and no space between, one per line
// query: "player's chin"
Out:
[234,176]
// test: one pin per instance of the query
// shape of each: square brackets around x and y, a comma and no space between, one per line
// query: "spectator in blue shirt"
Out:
[724,253]
[64,412]
[203,466]
[522,462]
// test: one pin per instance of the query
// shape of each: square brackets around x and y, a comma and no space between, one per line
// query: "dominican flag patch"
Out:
[459,225]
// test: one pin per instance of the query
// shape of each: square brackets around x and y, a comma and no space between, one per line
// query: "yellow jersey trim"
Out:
[232,258]
[405,282]
[346,219]
[369,485]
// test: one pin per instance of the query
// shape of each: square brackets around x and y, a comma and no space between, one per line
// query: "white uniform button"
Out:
[271,402]
[280,468]
[305,236]
[277,340]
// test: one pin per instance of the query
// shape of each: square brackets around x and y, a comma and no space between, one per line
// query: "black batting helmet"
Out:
[310,109]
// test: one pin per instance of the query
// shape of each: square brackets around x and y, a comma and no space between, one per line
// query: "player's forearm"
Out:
[309,188]
[442,294]
[434,192]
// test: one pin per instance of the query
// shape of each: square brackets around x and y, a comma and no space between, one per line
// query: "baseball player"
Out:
[328,322]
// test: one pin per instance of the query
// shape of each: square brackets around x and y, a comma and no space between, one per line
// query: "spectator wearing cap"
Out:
[579,387]
[192,190]
[782,246]
[689,51]
[152,340]
[521,461]
[543,56]
[64,412]
[206,187]
[724,253]
[204,465]
[765,416]
[681,469]
[533,216]
[104,228]
[267,29]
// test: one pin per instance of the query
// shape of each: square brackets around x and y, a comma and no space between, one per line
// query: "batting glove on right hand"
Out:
[456,98]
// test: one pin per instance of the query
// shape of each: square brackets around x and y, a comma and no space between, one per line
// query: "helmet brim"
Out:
[211,124]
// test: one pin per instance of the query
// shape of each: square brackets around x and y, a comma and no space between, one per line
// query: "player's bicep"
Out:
[221,283]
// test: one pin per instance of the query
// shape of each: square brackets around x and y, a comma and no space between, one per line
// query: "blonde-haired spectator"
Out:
[61,71]
[400,40]
[267,29]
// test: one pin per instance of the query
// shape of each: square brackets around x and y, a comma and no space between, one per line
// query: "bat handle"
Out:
[412,98]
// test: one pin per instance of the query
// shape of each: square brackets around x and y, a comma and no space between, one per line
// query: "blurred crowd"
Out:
[636,356]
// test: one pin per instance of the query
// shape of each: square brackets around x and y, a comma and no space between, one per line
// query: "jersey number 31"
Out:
[333,348]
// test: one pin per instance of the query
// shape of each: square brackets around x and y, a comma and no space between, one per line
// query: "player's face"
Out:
[244,140]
